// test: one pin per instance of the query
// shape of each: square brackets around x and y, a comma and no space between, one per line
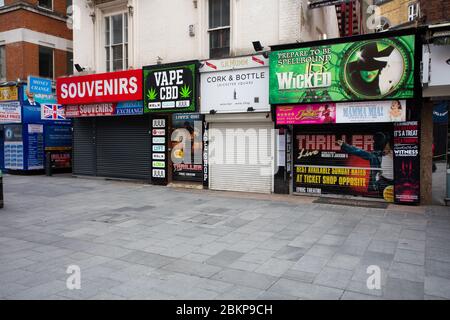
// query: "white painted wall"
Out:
[161,28]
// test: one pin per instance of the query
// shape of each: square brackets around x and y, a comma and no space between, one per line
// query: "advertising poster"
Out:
[357,161]
[407,162]
[9,93]
[58,138]
[10,112]
[346,112]
[306,114]
[35,147]
[159,150]
[42,108]
[373,69]
[14,147]
[170,88]
[187,147]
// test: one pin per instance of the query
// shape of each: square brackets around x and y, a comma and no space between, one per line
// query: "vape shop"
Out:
[350,116]
[171,101]
[110,130]
[239,141]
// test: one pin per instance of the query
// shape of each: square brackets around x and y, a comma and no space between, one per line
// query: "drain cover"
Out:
[353,203]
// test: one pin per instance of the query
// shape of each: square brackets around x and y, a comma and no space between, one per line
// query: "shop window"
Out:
[46,62]
[116,42]
[69,69]
[219,28]
[2,63]
[46,4]
[413,11]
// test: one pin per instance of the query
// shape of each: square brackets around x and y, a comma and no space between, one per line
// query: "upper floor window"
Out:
[413,11]
[219,28]
[69,67]
[45,62]
[46,4]
[116,42]
[2,3]
[2,63]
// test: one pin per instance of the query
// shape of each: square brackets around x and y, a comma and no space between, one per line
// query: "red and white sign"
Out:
[91,110]
[100,88]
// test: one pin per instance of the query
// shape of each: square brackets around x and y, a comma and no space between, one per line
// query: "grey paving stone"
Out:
[344,261]
[412,234]
[305,290]
[439,254]
[334,278]
[290,253]
[361,287]
[224,258]
[410,256]
[349,295]
[320,250]
[382,246]
[408,244]
[245,278]
[406,271]
[148,259]
[302,276]
[438,287]
[274,267]
[311,264]
[433,268]
[331,240]
[192,268]
[239,292]
[399,289]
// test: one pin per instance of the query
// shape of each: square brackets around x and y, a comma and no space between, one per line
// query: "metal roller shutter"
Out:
[123,147]
[237,176]
[84,147]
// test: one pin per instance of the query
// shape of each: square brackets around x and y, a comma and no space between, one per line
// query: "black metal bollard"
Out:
[48,164]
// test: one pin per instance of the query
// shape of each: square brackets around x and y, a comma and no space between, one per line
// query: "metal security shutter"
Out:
[123,147]
[248,177]
[83,147]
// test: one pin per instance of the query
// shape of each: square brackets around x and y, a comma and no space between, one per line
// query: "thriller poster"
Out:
[187,146]
[407,162]
[357,161]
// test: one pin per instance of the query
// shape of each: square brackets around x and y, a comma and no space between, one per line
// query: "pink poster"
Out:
[307,114]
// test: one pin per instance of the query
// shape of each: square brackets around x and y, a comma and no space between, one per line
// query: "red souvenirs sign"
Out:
[100,88]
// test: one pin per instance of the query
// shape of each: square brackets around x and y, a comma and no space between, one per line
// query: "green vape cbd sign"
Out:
[362,70]
[170,88]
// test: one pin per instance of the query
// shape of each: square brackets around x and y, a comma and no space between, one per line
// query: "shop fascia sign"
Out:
[104,109]
[171,87]
[371,69]
[235,85]
[100,88]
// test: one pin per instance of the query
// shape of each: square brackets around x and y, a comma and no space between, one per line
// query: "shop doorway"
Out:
[441,151]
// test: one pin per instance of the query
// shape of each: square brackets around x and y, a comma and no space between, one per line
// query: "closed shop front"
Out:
[240,140]
[244,164]
[111,134]
[116,147]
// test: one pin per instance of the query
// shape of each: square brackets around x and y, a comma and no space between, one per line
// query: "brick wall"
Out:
[59,6]
[435,11]
[30,20]
[22,60]
[396,11]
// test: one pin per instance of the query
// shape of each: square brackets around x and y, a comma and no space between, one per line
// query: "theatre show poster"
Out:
[187,146]
[357,162]
[407,162]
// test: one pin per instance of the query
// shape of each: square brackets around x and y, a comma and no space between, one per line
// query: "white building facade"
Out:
[136,33]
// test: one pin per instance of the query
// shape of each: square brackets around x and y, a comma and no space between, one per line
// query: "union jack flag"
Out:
[53,112]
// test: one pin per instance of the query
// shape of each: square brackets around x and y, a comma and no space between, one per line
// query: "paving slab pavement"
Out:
[137,241]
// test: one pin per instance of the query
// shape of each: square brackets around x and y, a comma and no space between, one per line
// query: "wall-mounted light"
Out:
[130,10]
[448,62]
[250,109]
[258,48]
[79,68]
[159,60]
[92,15]
[212,111]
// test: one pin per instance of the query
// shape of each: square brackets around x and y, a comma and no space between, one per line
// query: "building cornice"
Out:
[30,8]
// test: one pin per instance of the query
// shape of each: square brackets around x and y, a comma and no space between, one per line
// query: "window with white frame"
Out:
[46,4]
[219,28]
[2,63]
[116,42]
[413,11]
